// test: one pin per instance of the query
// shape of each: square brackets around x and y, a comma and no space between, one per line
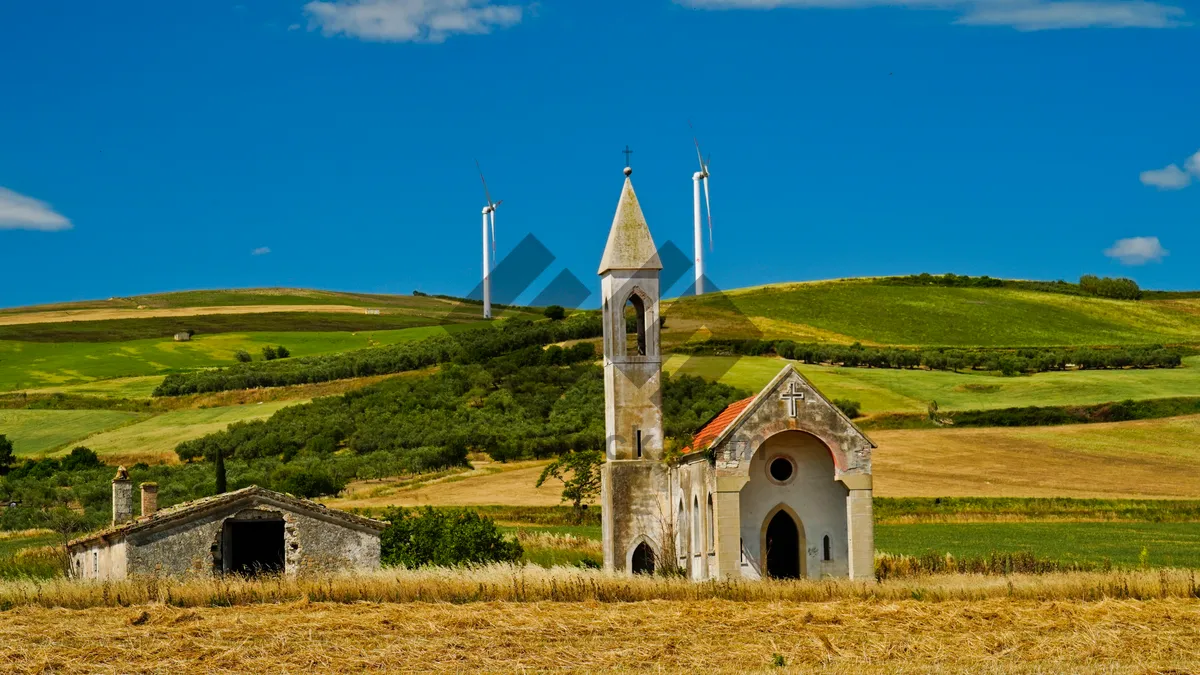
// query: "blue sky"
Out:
[152,146]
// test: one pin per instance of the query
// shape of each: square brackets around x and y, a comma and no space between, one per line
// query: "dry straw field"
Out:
[520,619]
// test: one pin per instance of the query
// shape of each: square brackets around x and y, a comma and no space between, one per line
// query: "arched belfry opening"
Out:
[784,544]
[635,326]
[642,561]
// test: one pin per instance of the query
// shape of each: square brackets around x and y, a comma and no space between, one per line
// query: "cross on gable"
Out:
[791,396]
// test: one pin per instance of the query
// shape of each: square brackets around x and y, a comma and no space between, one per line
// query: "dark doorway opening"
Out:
[783,547]
[254,546]
[643,559]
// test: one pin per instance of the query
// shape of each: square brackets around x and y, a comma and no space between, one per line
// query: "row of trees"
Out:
[469,346]
[1108,287]
[1006,361]
[1089,284]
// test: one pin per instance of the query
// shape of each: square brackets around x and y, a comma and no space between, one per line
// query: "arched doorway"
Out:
[643,559]
[783,547]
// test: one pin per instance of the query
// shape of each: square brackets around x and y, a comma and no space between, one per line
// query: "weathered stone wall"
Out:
[634,505]
[695,525]
[195,546]
[100,561]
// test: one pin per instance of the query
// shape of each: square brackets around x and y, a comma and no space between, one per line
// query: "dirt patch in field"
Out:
[60,316]
[1037,462]
[989,636]
[487,483]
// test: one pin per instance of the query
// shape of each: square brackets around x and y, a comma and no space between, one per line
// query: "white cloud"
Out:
[1053,15]
[1137,251]
[1171,177]
[1193,163]
[1025,15]
[410,20]
[18,212]
[261,250]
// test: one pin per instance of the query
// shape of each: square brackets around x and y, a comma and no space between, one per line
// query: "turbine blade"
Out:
[484,180]
[699,156]
[708,208]
[494,238]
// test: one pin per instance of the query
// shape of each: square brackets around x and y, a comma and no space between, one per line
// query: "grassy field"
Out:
[888,390]
[244,296]
[1122,544]
[873,313]
[124,330]
[154,439]
[35,432]
[39,365]
[505,620]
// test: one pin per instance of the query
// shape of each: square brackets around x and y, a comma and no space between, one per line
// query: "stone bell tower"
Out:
[634,479]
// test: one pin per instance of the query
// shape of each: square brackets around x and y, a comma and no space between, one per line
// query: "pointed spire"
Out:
[630,246]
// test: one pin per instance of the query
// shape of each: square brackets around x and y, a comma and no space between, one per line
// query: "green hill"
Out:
[873,312]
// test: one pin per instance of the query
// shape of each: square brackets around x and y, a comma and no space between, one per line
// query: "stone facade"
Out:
[777,485]
[198,538]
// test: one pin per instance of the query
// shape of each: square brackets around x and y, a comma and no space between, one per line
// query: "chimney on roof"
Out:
[149,498]
[122,497]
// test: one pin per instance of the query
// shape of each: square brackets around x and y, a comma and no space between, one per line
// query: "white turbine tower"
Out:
[697,178]
[489,214]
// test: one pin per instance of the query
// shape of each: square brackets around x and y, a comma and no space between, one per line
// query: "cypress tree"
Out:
[221,486]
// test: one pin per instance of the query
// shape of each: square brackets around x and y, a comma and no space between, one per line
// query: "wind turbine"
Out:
[697,178]
[489,214]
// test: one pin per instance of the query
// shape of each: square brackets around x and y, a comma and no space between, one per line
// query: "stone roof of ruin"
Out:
[181,513]
[630,246]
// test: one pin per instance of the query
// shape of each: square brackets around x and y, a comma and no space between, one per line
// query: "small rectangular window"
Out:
[639,443]
[95,562]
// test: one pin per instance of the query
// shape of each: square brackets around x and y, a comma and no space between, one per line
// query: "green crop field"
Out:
[886,390]
[154,439]
[1166,544]
[39,431]
[875,313]
[39,365]
[122,387]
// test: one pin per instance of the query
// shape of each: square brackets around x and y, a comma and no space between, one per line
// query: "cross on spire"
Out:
[791,396]
[627,152]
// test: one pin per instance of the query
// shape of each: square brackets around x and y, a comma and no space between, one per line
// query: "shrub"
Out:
[555,313]
[853,409]
[282,352]
[242,355]
[81,459]
[308,482]
[444,538]
[268,353]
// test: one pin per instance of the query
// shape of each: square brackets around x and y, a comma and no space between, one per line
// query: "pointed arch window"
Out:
[712,527]
[635,326]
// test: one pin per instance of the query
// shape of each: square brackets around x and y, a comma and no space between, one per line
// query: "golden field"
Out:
[509,619]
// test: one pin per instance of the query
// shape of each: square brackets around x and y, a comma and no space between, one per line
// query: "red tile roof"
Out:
[709,432]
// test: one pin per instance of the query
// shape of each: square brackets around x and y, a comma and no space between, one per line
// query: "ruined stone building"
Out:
[778,484]
[248,531]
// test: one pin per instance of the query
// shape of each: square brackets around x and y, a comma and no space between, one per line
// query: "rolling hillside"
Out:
[871,312]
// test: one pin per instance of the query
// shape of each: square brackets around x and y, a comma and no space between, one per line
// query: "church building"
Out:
[776,485]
